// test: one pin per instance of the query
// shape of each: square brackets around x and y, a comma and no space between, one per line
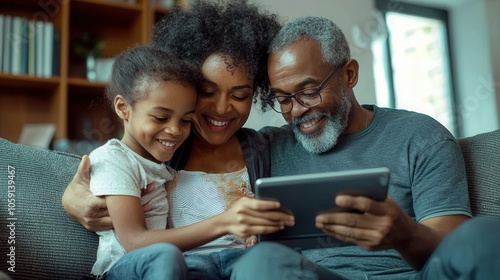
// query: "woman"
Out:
[220,161]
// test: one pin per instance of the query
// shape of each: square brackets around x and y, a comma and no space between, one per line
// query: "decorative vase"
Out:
[91,68]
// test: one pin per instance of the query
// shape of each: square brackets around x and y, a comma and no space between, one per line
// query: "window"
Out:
[416,61]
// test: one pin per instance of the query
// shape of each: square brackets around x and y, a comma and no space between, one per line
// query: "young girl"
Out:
[154,94]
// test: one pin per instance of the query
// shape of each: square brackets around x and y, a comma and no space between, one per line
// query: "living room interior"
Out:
[63,108]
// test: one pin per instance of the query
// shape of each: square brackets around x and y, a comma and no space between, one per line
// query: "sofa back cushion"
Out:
[482,162]
[37,238]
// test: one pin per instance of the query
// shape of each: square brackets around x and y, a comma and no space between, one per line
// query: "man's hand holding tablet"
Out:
[308,195]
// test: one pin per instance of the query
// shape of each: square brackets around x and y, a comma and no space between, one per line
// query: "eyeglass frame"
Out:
[317,88]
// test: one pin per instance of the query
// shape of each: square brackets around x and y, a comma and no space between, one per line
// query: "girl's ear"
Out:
[122,108]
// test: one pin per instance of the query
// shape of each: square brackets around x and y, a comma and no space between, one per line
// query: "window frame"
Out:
[385,6]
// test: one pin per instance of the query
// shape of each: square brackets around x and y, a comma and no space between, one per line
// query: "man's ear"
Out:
[122,108]
[352,71]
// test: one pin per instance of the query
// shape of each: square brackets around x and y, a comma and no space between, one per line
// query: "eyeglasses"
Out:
[308,97]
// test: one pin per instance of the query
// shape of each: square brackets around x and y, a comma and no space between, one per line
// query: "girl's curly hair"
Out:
[231,27]
[138,68]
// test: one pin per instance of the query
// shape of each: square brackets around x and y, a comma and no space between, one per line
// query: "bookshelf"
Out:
[65,97]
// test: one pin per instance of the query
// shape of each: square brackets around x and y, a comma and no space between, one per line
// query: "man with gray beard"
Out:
[312,77]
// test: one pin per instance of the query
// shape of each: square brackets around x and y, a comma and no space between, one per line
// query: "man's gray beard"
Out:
[325,139]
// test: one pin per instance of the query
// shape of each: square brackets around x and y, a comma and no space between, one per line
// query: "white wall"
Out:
[474,38]
[474,46]
[493,12]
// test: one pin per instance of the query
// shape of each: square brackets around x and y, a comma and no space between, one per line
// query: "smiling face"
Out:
[158,123]
[300,66]
[224,104]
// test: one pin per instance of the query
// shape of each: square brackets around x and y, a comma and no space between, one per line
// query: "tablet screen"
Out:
[307,195]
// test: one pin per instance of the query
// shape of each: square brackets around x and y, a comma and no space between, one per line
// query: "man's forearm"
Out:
[417,249]
[426,237]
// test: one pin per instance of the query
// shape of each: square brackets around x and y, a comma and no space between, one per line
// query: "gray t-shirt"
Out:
[118,170]
[427,179]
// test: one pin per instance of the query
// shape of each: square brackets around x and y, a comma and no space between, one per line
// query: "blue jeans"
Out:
[472,251]
[157,261]
[469,252]
[273,261]
[212,266]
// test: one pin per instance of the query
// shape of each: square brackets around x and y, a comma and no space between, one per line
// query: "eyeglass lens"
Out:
[307,98]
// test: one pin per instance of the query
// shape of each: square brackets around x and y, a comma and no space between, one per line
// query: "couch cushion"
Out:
[482,161]
[48,243]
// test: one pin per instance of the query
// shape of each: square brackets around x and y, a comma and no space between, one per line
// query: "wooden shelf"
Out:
[28,82]
[99,9]
[69,100]
[23,4]
[81,85]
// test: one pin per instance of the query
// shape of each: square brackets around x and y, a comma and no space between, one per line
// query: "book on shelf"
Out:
[39,29]
[6,65]
[1,41]
[19,46]
[31,48]
[15,39]
[48,49]
[24,47]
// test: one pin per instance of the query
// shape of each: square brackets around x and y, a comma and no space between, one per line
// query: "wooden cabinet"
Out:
[75,105]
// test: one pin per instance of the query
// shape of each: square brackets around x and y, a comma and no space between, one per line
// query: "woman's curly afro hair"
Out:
[232,27]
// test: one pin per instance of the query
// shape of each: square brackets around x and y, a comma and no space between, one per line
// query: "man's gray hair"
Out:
[331,39]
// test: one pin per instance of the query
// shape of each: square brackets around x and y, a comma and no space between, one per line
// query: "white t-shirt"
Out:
[117,170]
[194,196]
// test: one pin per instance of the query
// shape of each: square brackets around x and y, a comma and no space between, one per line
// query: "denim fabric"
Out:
[472,251]
[212,266]
[157,261]
[272,261]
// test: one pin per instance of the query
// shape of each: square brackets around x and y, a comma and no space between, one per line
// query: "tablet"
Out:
[307,195]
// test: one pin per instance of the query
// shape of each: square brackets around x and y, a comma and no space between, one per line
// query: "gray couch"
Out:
[50,245]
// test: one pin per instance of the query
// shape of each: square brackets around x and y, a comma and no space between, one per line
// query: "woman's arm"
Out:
[248,216]
[79,202]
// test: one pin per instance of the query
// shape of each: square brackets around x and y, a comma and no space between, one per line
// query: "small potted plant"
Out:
[88,47]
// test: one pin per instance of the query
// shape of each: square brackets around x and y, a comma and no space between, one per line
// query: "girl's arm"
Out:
[247,216]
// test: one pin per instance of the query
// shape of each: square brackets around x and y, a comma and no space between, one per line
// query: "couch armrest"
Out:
[482,162]
[42,240]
